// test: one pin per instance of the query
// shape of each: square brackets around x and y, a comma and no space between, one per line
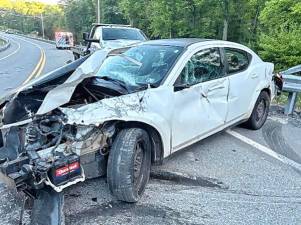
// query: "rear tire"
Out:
[129,164]
[260,112]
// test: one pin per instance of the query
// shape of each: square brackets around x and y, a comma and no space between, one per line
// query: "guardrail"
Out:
[5,46]
[292,85]
[38,39]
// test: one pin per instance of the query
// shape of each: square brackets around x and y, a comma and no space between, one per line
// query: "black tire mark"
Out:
[272,134]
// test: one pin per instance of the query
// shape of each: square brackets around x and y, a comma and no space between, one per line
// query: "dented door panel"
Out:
[203,109]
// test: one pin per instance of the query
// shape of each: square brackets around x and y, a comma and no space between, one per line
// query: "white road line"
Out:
[265,150]
[14,52]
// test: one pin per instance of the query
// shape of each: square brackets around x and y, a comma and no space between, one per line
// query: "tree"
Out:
[279,39]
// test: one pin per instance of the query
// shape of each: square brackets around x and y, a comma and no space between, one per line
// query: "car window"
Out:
[203,66]
[121,33]
[238,60]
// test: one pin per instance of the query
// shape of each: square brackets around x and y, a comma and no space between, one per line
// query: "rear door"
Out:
[202,106]
[243,82]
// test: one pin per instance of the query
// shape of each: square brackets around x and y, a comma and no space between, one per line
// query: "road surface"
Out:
[234,177]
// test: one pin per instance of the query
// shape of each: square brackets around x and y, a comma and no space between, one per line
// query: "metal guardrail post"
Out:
[292,99]
[292,85]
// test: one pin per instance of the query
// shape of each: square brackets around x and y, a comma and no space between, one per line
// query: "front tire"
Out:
[260,112]
[129,164]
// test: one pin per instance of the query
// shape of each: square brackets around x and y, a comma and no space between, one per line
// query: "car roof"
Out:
[178,42]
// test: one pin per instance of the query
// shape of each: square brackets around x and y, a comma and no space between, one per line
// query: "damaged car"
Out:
[120,111]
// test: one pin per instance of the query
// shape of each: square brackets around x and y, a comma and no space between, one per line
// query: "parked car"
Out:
[123,110]
[108,36]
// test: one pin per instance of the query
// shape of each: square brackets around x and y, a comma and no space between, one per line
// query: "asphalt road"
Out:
[23,60]
[234,177]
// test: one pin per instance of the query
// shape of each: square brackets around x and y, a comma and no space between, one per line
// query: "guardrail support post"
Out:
[292,99]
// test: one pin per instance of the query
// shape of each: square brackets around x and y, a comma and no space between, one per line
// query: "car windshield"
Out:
[140,65]
[122,33]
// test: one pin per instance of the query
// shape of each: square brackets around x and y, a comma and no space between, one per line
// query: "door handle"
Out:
[254,75]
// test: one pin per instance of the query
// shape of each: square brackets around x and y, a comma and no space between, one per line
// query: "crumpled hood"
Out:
[63,93]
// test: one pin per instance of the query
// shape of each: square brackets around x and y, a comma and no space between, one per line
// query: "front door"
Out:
[200,98]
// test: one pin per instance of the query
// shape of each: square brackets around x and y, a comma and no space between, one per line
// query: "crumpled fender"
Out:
[136,107]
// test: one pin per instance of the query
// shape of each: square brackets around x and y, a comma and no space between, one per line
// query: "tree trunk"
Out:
[225,30]
[225,6]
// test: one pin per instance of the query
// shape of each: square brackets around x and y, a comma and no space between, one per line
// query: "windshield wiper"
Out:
[119,82]
[144,86]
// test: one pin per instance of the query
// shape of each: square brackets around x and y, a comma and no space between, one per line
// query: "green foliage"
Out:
[283,48]
[79,14]
[279,41]
[270,27]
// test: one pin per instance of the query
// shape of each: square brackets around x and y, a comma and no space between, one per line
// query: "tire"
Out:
[131,150]
[260,112]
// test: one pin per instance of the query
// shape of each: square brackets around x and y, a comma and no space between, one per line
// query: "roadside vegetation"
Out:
[270,27]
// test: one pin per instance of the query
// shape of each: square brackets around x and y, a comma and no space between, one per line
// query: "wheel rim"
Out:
[260,110]
[138,163]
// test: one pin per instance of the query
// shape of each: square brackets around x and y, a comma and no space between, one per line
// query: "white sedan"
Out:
[123,110]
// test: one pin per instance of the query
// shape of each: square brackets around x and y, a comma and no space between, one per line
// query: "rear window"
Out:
[238,60]
[122,33]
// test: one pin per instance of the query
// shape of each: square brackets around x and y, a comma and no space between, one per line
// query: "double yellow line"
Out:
[38,69]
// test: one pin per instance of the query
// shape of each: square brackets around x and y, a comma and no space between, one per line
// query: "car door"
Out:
[200,98]
[243,82]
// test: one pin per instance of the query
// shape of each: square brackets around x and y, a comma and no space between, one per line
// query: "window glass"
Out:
[203,66]
[121,33]
[238,60]
[140,65]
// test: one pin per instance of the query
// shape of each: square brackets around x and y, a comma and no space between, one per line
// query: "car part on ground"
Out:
[48,208]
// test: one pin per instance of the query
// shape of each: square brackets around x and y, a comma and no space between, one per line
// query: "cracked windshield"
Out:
[141,65]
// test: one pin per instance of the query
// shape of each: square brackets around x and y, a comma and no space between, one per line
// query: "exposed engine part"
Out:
[54,153]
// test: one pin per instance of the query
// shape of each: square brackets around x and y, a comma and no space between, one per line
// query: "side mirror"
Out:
[180,87]
[86,36]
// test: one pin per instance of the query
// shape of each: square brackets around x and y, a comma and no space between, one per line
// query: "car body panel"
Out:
[180,117]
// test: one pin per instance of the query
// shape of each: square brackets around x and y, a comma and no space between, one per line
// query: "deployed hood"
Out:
[63,93]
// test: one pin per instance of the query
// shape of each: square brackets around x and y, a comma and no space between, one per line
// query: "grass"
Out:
[282,100]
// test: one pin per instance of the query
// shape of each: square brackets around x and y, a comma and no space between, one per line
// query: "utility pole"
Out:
[43,31]
[98,11]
